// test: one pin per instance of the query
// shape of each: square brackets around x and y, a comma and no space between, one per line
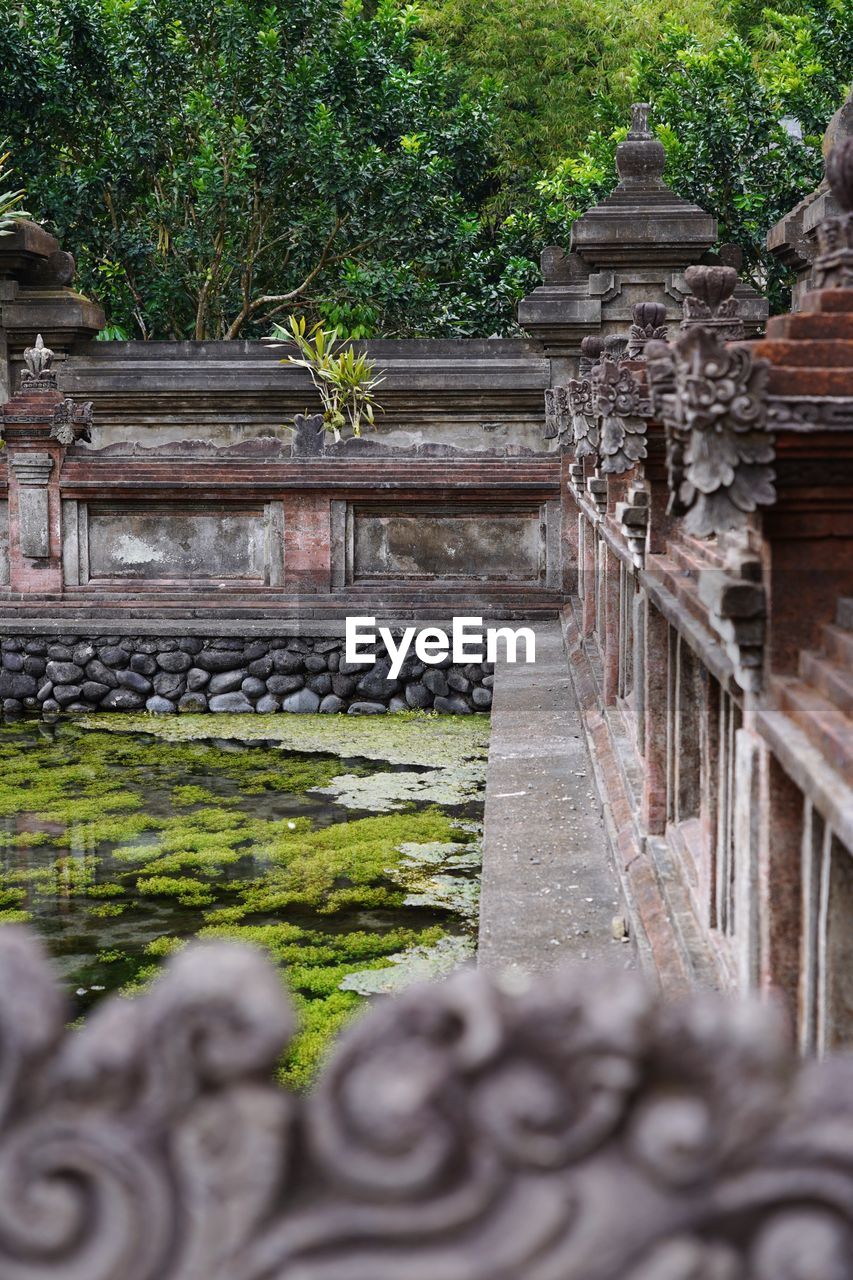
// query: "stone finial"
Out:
[39,374]
[834,264]
[640,130]
[640,160]
[711,301]
[649,324]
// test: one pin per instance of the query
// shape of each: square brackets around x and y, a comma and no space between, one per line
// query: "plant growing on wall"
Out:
[345,380]
[10,209]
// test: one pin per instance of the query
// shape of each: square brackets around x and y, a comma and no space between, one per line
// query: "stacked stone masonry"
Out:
[192,674]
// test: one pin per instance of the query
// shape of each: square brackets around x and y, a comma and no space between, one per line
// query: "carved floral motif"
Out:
[712,400]
[711,303]
[72,422]
[39,374]
[582,1129]
[833,267]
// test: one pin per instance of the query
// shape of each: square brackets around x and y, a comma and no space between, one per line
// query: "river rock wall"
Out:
[169,675]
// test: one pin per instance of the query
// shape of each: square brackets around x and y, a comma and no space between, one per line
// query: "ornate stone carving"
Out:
[585,429]
[649,324]
[39,374]
[558,417]
[619,405]
[72,422]
[309,435]
[711,302]
[585,1128]
[712,400]
[833,267]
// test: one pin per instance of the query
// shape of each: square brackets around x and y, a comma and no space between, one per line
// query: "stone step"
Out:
[844,613]
[838,645]
[829,679]
[829,729]
[818,353]
[815,326]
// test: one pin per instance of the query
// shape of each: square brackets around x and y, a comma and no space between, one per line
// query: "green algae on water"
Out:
[347,848]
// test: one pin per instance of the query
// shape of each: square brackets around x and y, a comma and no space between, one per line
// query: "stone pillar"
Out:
[655,665]
[307,543]
[612,611]
[34,463]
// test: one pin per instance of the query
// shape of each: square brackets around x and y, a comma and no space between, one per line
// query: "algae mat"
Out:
[349,849]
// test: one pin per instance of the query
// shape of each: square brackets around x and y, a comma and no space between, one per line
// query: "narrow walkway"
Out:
[548,891]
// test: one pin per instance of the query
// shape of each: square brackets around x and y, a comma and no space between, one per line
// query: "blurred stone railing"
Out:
[582,1129]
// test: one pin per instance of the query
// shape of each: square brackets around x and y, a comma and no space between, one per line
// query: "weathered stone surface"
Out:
[267,704]
[286,662]
[436,682]
[197,679]
[133,680]
[66,693]
[231,702]
[217,660]
[260,667]
[321,683]
[174,662]
[16,684]
[122,700]
[160,706]
[366,709]
[331,705]
[455,705]
[314,662]
[94,691]
[169,684]
[113,656]
[96,670]
[280,684]
[417,695]
[226,681]
[34,666]
[253,687]
[143,663]
[482,699]
[13,661]
[63,672]
[458,682]
[304,701]
[191,702]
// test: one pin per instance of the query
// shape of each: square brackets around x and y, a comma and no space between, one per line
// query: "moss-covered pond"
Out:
[349,848]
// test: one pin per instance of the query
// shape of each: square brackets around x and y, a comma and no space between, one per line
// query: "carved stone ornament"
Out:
[558,418]
[620,406]
[585,427]
[712,400]
[833,267]
[309,435]
[72,422]
[649,324]
[39,374]
[711,303]
[582,1130]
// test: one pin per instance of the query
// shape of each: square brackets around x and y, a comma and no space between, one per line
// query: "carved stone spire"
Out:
[711,302]
[39,374]
[834,264]
[649,324]
[640,160]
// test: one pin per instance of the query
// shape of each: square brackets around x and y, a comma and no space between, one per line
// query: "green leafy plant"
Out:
[10,210]
[345,380]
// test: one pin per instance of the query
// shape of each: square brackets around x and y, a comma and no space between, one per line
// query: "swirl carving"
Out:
[580,1128]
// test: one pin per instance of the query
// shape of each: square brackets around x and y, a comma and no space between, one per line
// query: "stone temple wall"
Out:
[192,674]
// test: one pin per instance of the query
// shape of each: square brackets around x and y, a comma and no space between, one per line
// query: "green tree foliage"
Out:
[560,68]
[219,165]
[215,165]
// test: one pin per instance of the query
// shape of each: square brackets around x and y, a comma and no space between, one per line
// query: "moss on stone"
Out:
[150,838]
